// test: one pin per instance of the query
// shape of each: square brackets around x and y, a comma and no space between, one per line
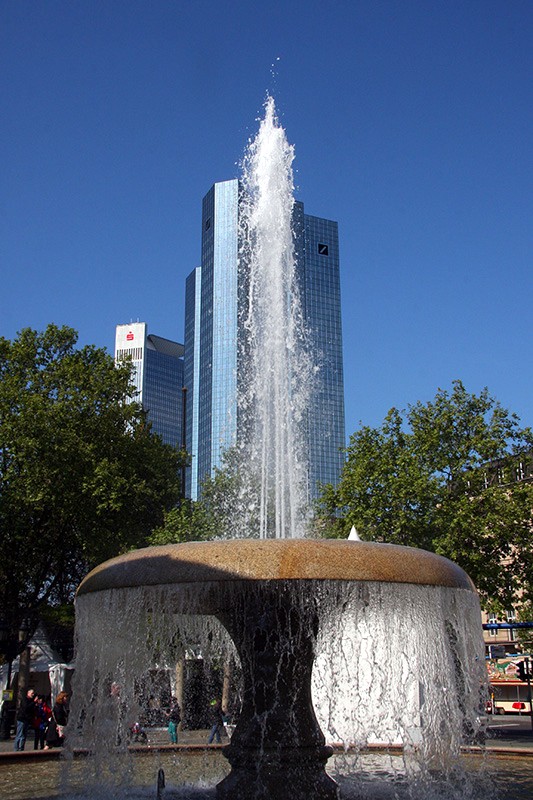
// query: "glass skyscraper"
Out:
[215,296]
[192,374]
[158,376]
[319,266]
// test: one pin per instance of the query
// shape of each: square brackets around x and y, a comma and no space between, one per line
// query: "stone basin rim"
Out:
[267,560]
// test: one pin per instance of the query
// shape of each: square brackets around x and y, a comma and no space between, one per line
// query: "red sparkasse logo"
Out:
[129,336]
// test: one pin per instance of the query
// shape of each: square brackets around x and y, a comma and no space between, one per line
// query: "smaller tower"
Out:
[158,376]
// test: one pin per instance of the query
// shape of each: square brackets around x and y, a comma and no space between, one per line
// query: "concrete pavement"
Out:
[510,733]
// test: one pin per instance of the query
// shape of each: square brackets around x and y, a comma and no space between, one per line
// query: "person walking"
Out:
[217,720]
[174,719]
[25,715]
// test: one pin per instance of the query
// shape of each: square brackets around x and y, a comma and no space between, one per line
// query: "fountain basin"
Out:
[274,559]
[264,592]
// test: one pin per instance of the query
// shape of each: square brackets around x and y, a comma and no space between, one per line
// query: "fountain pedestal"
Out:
[277,748]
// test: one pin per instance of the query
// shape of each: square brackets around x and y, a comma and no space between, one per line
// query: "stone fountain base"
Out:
[265,595]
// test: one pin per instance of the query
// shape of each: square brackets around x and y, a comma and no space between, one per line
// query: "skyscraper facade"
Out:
[191,372]
[215,296]
[319,266]
[158,375]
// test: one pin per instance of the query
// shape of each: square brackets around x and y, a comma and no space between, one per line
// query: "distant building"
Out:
[500,641]
[193,295]
[318,263]
[158,377]
[215,296]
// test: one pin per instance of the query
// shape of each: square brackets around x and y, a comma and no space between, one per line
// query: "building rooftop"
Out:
[166,346]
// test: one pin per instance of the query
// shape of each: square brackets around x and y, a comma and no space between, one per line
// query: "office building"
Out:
[192,375]
[320,291]
[215,297]
[158,376]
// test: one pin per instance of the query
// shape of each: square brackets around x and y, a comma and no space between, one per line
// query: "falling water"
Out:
[395,664]
[275,393]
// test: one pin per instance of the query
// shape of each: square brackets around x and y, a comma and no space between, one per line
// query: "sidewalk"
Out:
[510,738]
[499,739]
[157,738]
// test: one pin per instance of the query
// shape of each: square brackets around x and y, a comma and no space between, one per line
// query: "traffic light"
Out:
[524,670]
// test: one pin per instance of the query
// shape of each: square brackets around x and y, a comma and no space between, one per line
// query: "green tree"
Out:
[227,507]
[428,477]
[230,497]
[525,636]
[82,478]
[189,521]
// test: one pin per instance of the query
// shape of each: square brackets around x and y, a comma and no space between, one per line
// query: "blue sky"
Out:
[412,125]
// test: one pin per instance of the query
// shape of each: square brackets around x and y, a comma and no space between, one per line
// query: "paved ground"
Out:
[511,732]
[156,736]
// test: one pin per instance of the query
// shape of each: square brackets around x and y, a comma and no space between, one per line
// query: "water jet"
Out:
[341,642]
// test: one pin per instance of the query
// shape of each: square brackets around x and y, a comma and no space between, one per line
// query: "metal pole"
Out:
[528,678]
[160,783]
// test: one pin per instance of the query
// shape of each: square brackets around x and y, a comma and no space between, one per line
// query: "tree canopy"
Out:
[188,521]
[447,476]
[82,477]
[226,509]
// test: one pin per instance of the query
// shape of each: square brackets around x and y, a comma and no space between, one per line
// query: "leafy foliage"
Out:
[226,508]
[189,521]
[431,477]
[82,478]
[525,636]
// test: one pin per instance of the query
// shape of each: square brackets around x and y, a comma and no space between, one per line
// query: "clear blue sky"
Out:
[412,122]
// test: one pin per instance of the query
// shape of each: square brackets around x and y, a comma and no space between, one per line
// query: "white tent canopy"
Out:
[45,665]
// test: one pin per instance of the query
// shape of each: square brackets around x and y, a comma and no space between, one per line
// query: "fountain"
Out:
[298,612]
[271,597]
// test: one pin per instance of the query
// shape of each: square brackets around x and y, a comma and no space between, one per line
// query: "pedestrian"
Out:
[138,734]
[174,719]
[55,736]
[217,720]
[25,716]
[40,721]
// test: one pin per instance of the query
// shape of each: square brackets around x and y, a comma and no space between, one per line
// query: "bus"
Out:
[508,694]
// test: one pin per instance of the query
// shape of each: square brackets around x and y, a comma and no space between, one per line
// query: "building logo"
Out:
[129,336]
